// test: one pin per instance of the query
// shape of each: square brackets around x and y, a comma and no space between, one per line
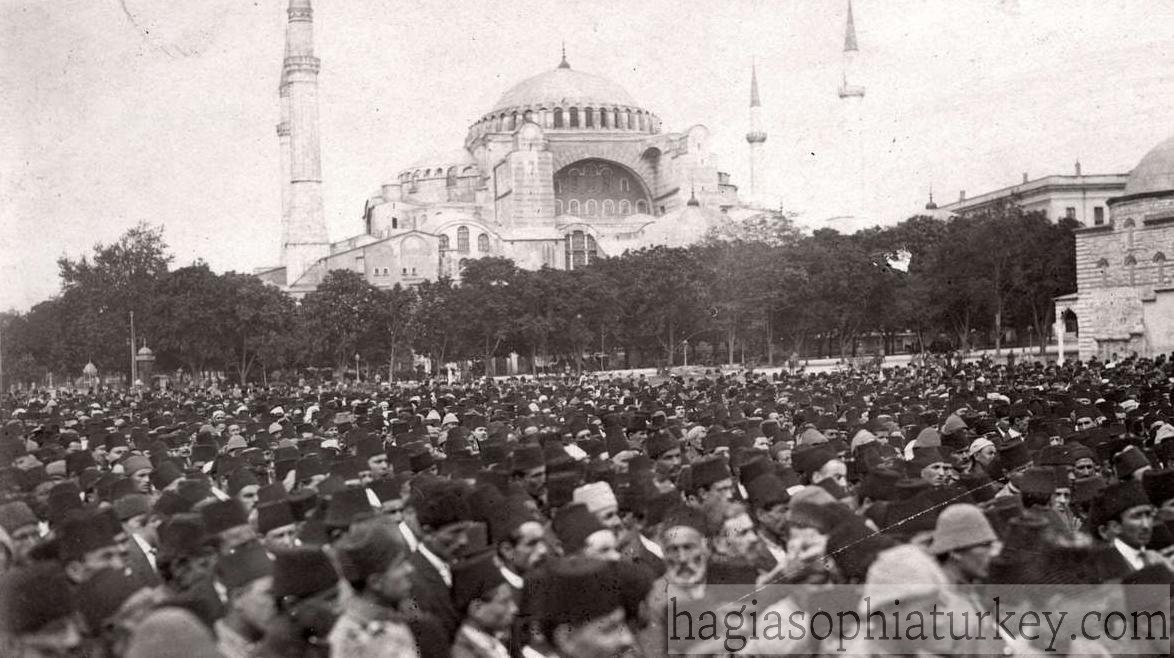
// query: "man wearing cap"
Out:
[23,528]
[376,564]
[487,604]
[583,613]
[88,544]
[1124,517]
[708,480]
[134,511]
[442,511]
[964,544]
[246,575]
[37,613]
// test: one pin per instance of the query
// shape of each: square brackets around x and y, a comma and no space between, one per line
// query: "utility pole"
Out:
[134,375]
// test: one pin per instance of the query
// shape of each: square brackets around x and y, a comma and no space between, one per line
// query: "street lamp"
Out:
[357,378]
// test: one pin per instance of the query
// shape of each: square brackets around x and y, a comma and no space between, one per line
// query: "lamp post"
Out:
[685,351]
[357,378]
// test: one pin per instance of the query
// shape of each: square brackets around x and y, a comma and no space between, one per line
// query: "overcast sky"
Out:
[116,111]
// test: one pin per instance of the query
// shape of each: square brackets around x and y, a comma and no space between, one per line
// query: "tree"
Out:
[337,319]
[486,304]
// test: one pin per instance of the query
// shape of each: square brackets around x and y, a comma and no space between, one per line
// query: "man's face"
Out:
[394,509]
[534,479]
[378,466]
[975,562]
[783,457]
[528,549]
[602,637]
[602,545]
[142,480]
[610,518]
[834,470]
[774,519]
[395,583]
[496,613]
[107,557]
[986,455]
[24,539]
[668,464]
[1166,511]
[116,453]
[937,474]
[281,537]
[739,537]
[722,490]
[1084,423]
[447,541]
[685,555]
[248,496]
[480,434]
[1061,499]
[255,603]
[1084,467]
[1136,525]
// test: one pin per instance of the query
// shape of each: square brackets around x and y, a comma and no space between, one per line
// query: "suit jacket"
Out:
[430,595]
[139,566]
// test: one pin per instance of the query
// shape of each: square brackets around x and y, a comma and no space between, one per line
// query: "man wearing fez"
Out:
[1124,517]
[487,604]
[708,480]
[246,576]
[583,612]
[88,544]
[520,541]
[376,564]
[443,513]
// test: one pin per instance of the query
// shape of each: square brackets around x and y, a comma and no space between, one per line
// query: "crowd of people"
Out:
[559,517]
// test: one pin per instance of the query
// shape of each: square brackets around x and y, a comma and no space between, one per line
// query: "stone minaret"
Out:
[757,135]
[304,240]
[852,97]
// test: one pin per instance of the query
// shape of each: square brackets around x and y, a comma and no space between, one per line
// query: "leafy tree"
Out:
[337,320]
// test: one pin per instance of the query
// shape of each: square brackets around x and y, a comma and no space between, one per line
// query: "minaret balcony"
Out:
[756,136]
[298,63]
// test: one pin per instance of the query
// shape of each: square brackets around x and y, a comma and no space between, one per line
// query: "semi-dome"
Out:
[1155,171]
[562,86]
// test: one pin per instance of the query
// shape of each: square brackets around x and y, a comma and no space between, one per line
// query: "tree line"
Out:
[753,293]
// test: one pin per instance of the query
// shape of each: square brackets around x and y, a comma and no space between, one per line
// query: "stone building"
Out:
[1124,301]
[1080,196]
[565,167]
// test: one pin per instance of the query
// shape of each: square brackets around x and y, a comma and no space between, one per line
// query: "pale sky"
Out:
[116,111]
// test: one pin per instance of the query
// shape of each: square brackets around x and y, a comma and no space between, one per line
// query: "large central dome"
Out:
[564,86]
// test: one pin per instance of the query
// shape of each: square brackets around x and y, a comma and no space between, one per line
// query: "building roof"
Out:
[563,86]
[1039,186]
[1155,171]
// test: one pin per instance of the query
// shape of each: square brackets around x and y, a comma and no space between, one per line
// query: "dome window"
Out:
[463,239]
[574,117]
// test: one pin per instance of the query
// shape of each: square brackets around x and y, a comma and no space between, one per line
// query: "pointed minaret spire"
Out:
[931,205]
[754,102]
[304,240]
[693,195]
[756,136]
[850,32]
[564,64]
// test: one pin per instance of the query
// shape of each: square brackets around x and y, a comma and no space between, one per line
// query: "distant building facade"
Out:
[566,167]
[1084,198]
[1124,301]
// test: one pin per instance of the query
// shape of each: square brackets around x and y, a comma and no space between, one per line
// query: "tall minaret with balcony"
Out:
[756,136]
[852,98]
[304,238]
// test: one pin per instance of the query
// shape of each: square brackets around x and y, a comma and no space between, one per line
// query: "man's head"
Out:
[525,548]
[89,543]
[482,596]
[732,530]
[686,551]
[583,612]
[21,524]
[246,572]
[138,469]
[601,501]
[442,510]
[374,560]
[710,480]
[1124,512]
[964,541]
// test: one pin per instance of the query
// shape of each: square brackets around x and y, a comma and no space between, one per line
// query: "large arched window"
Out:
[604,115]
[625,208]
[573,207]
[463,239]
[591,208]
[609,207]
[581,250]
[558,117]
[443,242]
[574,117]
[588,117]
[483,243]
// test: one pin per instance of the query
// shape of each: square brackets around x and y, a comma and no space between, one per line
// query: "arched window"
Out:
[573,207]
[395,222]
[1160,260]
[528,116]
[628,125]
[443,242]
[1131,263]
[591,208]
[574,117]
[625,208]
[588,117]
[642,206]
[558,206]
[463,239]
[603,118]
[624,185]
[1103,267]
[483,243]
[609,207]
[450,179]
[581,250]
[558,117]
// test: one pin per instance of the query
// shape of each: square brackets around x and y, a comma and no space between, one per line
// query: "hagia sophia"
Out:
[566,167]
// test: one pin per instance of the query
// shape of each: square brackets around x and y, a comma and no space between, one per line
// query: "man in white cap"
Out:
[601,501]
[964,544]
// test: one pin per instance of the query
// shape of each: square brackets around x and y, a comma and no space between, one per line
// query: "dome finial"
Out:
[931,205]
[563,64]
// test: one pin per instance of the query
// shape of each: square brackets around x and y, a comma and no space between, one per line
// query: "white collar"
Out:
[445,572]
[485,641]
[409,537]
[512,578]
[1132,555]
[148,550]
[652,547]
